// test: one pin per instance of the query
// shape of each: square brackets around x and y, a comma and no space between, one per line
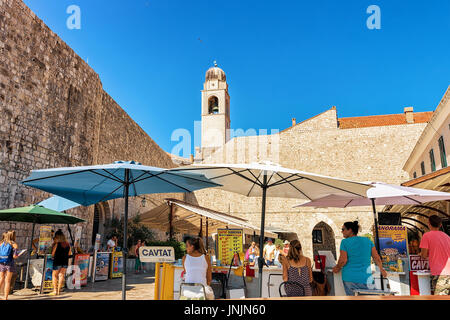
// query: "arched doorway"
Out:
[101,215]
[323,238]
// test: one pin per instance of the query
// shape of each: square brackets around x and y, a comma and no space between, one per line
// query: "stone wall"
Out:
[54,113]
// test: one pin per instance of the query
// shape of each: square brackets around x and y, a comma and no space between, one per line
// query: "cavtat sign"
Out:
[157,254]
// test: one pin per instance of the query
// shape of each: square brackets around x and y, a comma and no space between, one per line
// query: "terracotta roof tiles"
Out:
[382,120]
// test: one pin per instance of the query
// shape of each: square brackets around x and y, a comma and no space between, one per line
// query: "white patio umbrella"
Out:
[266,179]
[379,194]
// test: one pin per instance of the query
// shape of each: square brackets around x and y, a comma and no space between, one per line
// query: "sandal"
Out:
[52,294]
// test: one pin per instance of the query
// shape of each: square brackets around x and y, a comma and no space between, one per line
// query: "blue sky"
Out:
[283,59]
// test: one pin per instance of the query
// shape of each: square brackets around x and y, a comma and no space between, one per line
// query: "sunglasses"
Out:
[343,229]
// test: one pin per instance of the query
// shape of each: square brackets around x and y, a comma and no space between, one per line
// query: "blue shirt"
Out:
[359,251]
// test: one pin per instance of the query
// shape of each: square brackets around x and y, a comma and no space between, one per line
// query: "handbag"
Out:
[320,285]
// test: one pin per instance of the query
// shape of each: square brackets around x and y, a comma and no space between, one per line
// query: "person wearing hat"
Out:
[285,248]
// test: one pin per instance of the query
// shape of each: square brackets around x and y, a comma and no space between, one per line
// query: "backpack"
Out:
[6,253]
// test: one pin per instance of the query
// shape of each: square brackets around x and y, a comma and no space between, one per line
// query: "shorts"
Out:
[440,285]
[7,267]
[57,268]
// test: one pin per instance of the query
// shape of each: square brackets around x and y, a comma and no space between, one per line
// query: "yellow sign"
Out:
[229,243]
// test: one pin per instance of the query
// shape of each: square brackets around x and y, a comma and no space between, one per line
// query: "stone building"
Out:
[370,148]
[55,113]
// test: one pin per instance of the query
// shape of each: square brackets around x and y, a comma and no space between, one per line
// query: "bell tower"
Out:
[215,111]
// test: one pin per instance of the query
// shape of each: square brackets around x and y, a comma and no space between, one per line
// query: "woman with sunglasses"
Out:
[354,260]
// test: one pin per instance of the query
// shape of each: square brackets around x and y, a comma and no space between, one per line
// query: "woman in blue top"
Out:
[354,259]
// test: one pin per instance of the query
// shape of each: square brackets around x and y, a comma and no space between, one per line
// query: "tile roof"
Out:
[382,120]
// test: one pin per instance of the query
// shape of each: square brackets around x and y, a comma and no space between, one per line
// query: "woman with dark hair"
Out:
[197,265]
[354,260]
[297,268]
[60,253]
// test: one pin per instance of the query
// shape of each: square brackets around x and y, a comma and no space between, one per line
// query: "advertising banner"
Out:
[102,266]
[45,239]
[157,254]
[98,239]
[393,247]
[48,284]
[78,230]
[82,261]
[417,263]
[230,241]
[116,264]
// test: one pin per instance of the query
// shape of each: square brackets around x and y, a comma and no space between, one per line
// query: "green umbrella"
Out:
[37,214]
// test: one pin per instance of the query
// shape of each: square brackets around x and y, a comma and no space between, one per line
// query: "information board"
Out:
[102,265]
[82,261]
[230,241]
[116,264]
[393,247]
[45,239]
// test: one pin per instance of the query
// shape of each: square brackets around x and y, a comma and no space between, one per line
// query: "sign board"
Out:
[102,266]
[78,230]
[157,254]
[393,247]
[417,263]
[229,242]
[48,272]
[82,261]
[45,239]
[116,264]
[98,239]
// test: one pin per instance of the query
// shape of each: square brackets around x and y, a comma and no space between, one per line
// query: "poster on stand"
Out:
[45,239]
[78,230]
[102,266]
[48,284]
[230,241]
[394,248]
[98,239]
[116,264]
[82,261]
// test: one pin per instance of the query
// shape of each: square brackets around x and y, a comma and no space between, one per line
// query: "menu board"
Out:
[116,264]
[393,247]
[229,243]
[102,266]
[82,261]
[45,239]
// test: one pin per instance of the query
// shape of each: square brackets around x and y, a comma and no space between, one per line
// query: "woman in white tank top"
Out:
[197,265]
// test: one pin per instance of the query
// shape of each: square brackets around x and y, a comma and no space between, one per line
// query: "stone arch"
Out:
[213,103]
[326,239]
[102,214]
[306,235]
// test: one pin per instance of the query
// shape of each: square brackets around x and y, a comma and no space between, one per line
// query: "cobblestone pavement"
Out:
[139,287]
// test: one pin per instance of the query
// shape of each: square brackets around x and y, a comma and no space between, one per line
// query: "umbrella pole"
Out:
[29,257]
[124,249]
[377,238]
[170,222]
[261,239]
[207,247]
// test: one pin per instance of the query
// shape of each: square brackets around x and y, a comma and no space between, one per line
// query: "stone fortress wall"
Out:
[54,113]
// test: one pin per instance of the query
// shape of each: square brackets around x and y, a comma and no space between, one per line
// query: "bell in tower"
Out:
[213,105]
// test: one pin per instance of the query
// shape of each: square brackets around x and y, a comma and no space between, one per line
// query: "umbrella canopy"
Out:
[248,180]
[92,184]
[58,203]
[382,194]
[268,179]
[37,214]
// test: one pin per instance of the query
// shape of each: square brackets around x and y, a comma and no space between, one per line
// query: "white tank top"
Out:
[196,268]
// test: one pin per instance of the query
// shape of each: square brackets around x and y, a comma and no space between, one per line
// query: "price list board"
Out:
[229,243]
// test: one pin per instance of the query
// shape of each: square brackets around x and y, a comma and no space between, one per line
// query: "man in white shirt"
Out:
[111,244]
[269,252]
